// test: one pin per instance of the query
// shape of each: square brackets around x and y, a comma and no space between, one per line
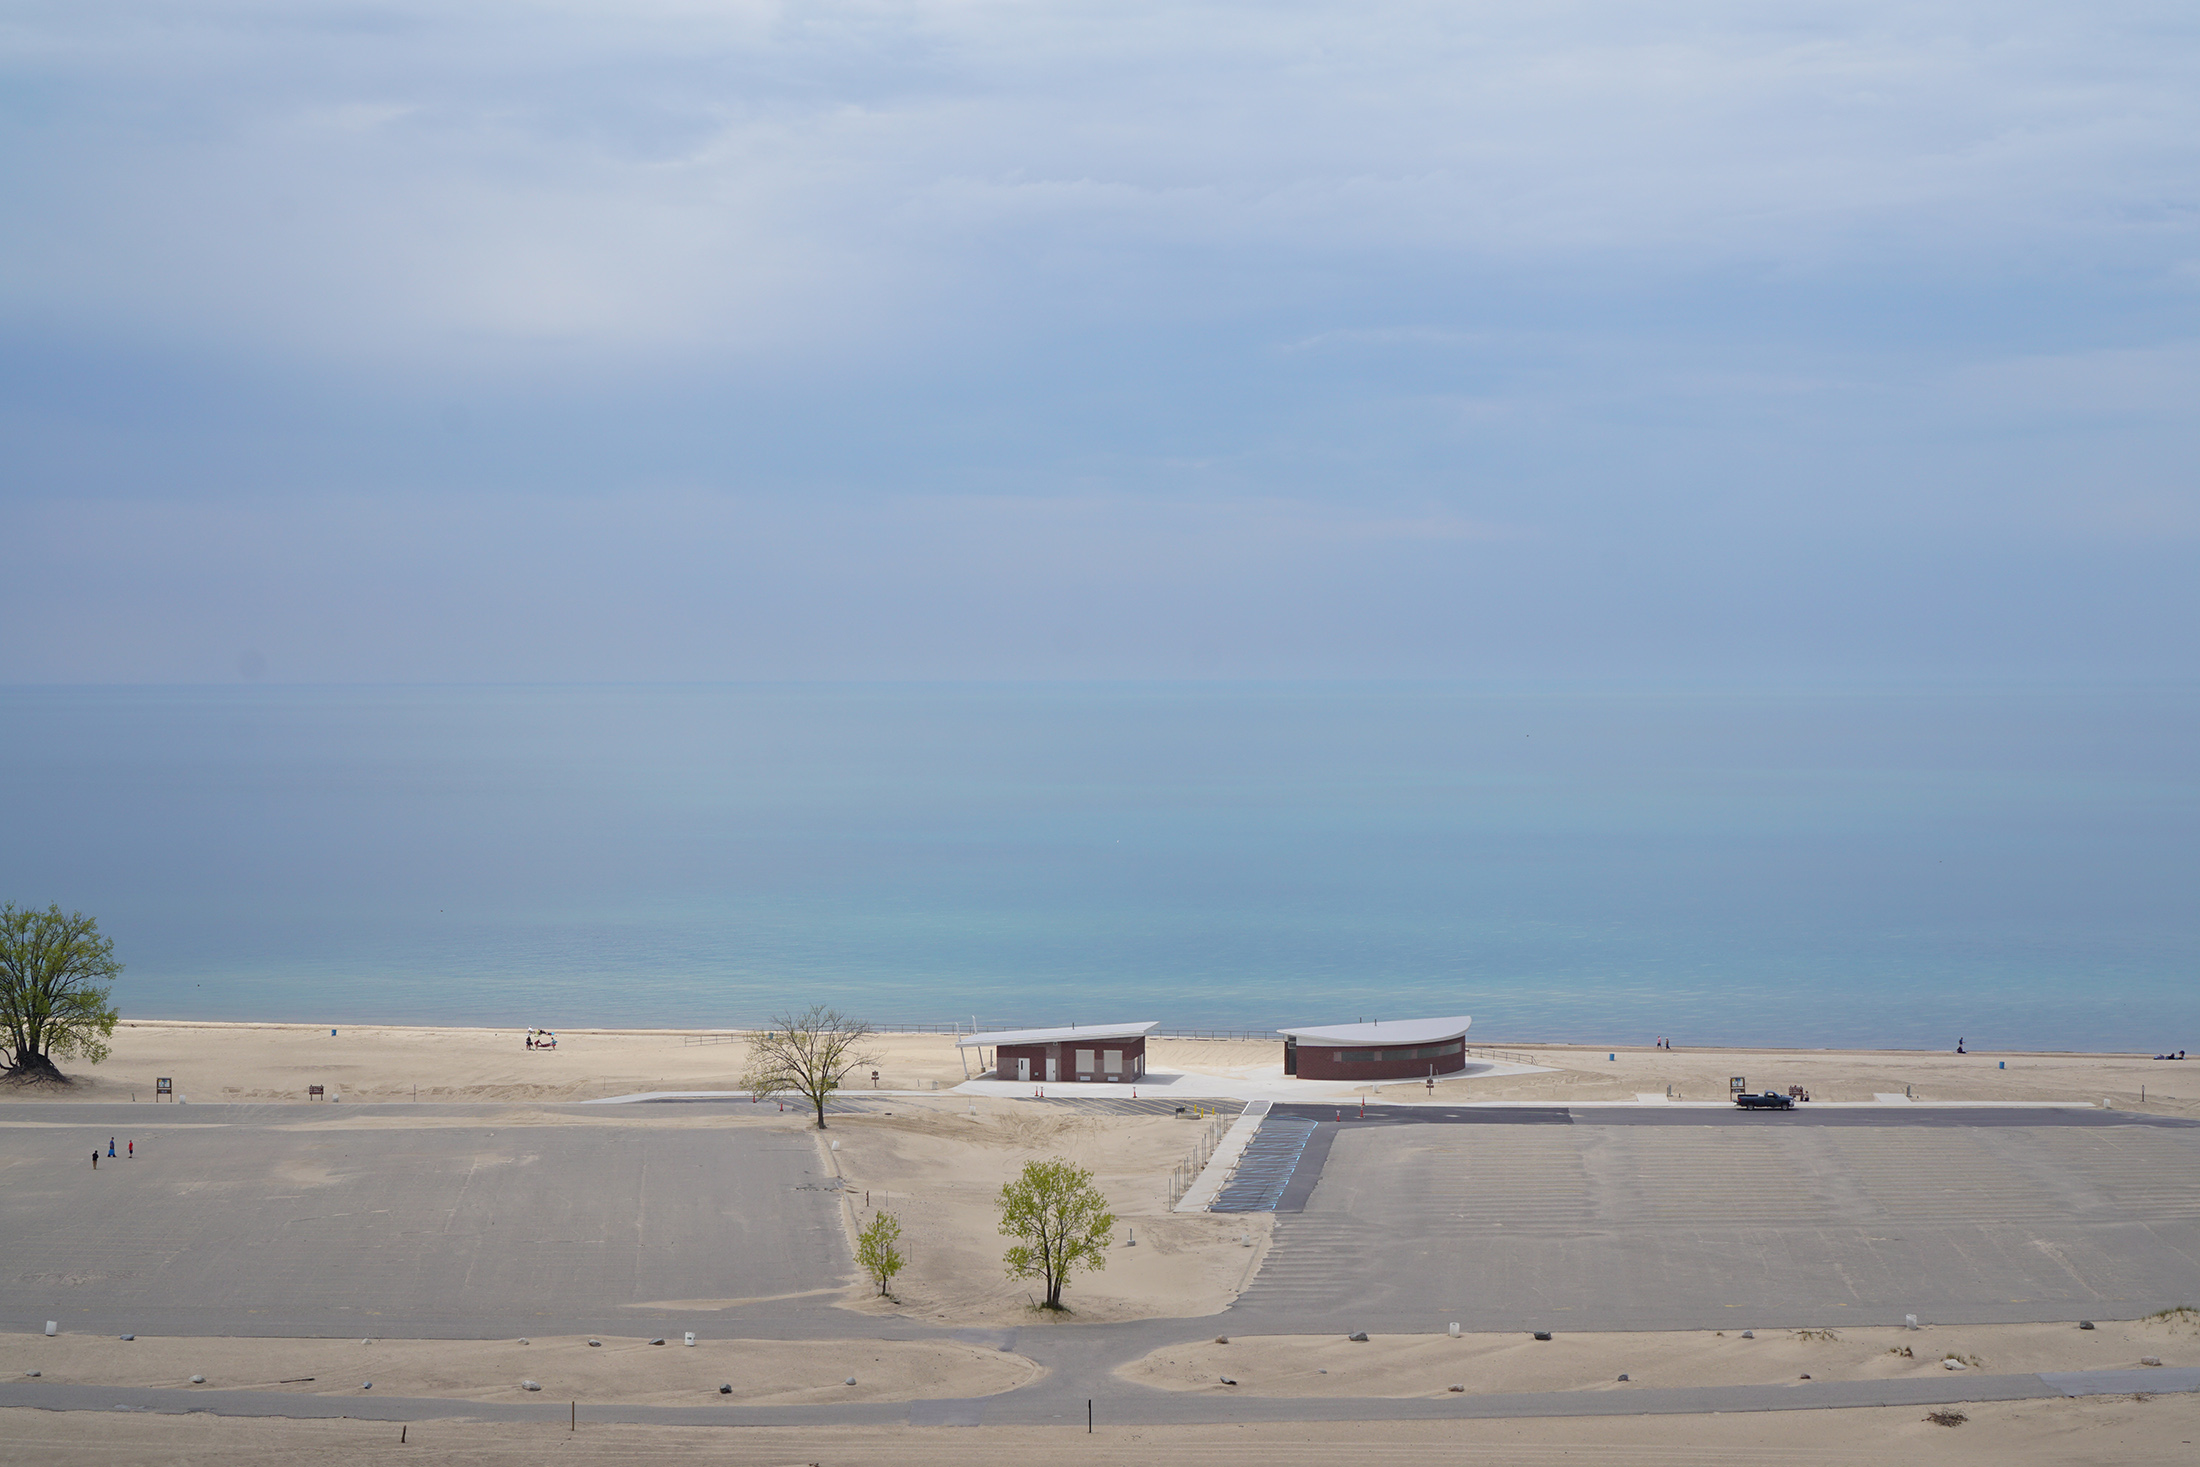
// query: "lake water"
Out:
[2020,867]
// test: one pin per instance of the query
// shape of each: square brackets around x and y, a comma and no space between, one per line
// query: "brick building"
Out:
[1395,1049]
[1101,1053]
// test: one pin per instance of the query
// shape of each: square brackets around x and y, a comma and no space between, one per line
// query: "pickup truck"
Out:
[1770,1100]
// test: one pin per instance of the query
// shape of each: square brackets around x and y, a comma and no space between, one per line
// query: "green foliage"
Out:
[809,1054]
[56,972]
[877,1250]
[1062,1223]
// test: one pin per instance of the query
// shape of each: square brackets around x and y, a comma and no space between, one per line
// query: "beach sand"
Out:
[277,1062]
[2116,1431]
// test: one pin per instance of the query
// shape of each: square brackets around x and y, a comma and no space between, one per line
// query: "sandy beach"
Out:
[278,1062]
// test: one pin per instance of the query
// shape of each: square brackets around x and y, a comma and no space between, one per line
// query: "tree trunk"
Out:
[33,1066]
[820,1102]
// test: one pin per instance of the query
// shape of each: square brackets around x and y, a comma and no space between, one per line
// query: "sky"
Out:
[373,340]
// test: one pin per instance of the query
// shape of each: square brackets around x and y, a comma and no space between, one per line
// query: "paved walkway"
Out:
[1117,1404]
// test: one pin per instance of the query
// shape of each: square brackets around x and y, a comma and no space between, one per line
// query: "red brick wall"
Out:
[1320,1062]
[1065,1053]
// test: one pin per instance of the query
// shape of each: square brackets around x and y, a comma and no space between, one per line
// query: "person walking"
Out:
[133,1150]
[95,1158]
[110,1146]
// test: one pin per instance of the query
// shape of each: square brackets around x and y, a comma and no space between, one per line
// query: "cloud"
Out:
[486,338]
[410,180]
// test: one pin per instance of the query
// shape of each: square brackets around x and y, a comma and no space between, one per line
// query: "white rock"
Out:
[529,1385]
[198,1380]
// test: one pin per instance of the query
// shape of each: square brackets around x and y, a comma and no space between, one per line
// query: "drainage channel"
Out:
[1265,1168]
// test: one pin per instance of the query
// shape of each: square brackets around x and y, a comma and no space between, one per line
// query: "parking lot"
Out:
[1645,1219]
[246,1222]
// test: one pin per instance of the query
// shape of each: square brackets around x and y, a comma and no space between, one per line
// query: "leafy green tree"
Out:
[56,972]
[809,1053]
[878,1250]
[1062,1221]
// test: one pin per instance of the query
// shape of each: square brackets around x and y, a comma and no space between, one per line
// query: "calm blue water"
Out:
[1887,868]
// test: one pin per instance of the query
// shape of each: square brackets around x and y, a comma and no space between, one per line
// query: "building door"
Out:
[1023,1067]
[1054,1069]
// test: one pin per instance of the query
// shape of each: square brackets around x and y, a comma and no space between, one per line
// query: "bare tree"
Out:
[55,974]
[809,1053]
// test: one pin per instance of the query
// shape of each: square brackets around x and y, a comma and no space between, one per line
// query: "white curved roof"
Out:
[1059,1036]
[1392,1031]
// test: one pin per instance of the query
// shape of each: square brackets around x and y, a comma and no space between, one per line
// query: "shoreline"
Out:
[1188,1034]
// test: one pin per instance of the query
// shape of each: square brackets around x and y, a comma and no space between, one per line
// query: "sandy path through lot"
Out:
[939,1170]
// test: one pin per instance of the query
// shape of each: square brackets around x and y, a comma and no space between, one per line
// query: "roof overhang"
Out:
[1382,1032]
[1059,1036]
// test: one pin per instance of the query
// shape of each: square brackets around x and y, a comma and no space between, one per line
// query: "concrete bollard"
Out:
[690,1338]
[1909,1321]
[53,1327]
[1454,1329]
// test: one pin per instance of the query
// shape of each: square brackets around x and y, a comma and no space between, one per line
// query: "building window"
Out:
[1114,1058]
[1084,1062]
[1376,1056]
